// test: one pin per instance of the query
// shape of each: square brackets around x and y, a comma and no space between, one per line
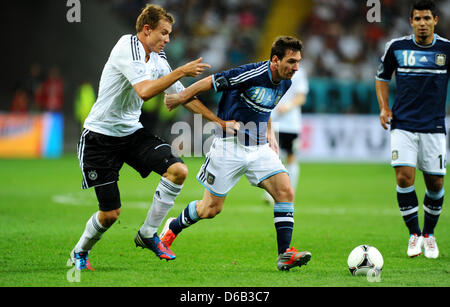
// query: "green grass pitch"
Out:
[43,212]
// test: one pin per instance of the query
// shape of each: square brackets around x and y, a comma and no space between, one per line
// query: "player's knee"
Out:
[177,173]
[404,179]
[108,218]
[285,194]
[435,185]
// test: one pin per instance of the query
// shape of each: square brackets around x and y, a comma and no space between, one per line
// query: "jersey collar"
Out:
[425,46]
[270,74]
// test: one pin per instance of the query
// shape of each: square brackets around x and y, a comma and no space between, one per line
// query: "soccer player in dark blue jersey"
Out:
[250,93]
[417,119]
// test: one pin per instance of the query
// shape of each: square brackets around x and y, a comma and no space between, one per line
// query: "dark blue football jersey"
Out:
[248,96]
[421,74]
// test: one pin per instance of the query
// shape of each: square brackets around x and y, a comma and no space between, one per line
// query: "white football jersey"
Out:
[118,107]
[290,122]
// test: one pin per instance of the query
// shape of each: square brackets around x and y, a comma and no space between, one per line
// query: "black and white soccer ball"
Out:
[363,259]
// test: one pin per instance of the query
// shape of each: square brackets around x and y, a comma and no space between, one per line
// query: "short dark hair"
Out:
[423,5]
[283,43]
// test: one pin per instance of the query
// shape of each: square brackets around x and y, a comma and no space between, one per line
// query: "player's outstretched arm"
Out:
[197,107]
[382,89]
[149,88]
[203,85]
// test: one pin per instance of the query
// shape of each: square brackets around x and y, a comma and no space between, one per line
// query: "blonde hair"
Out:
[150,15]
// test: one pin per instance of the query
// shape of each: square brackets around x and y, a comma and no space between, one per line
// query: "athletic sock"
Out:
[283,213]
[186,218]
[432,205]
[163,201]
[91,235]
[409,205]
[294,172]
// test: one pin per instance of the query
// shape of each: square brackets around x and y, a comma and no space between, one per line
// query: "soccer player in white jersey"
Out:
[136,70]
[417,119]
[287,121]
[249,93]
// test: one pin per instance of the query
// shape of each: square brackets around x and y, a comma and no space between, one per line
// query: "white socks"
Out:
[92,233]
[163,200]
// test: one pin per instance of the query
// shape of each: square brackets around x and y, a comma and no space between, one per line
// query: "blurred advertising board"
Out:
[31,135]
[346,138]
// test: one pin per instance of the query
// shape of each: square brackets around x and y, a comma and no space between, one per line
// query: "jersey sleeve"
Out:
[236,77]
[129,59]
[387,65]
[165,69]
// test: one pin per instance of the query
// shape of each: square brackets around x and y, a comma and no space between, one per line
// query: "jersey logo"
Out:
[92,175]
[440,59]
[423,59]
[380,69]
[221,83]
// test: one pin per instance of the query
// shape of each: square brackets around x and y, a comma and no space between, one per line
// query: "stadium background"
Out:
[342,50]
[338,206]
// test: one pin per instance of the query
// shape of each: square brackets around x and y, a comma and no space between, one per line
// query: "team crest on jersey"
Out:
[394,154]
[210,178]
[92,175]
[440,59]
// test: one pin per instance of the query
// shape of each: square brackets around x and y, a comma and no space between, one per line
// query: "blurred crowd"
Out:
[39,91]
[224,32]
[341,43]
[342,48]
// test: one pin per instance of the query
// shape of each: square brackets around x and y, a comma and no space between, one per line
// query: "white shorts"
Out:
[425,151]
[228,160]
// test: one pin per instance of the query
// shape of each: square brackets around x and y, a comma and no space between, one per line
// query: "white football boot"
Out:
[415,245]
[430,247]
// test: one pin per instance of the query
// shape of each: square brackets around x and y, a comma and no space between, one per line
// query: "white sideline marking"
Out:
[78,200]
[82,199]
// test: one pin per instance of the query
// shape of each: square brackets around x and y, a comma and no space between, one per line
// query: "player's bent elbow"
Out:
[144,96]
[144,91]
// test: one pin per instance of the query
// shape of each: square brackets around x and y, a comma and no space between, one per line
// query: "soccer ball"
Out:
[364,258]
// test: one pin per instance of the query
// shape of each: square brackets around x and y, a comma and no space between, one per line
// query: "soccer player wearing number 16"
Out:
[421,64]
